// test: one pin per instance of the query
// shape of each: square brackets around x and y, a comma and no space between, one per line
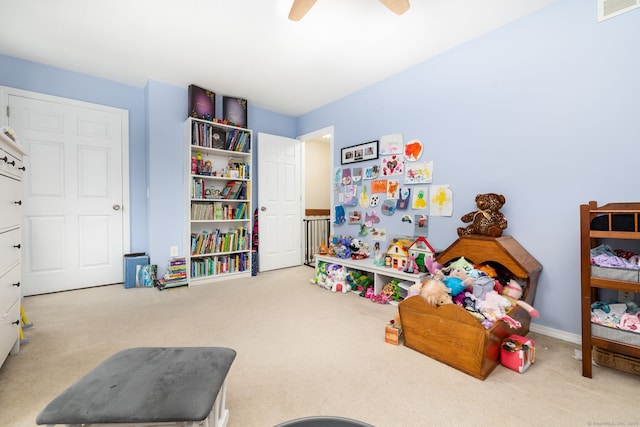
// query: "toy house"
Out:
[399,253]
[420,250]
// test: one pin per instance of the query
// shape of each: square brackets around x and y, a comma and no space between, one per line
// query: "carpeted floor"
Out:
[301,351]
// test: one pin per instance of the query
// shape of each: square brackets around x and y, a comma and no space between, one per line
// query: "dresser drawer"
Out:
[10,165]
[9,288]
[9,331]
[10,202]
[9,251]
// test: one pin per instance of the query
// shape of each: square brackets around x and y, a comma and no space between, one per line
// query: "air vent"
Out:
[610,8]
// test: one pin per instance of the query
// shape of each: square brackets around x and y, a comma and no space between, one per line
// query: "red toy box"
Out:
[517,353]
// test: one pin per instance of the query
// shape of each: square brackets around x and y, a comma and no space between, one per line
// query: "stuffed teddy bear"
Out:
[487,220]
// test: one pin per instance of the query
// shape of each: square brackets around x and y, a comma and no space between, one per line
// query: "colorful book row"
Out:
[211,136]
[221,264]
[218,241]
[217,211]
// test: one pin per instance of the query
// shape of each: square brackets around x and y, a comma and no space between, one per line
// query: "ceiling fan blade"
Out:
[396,6]
[299,8]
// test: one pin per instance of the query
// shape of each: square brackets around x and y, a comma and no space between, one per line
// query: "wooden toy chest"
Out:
[453,336]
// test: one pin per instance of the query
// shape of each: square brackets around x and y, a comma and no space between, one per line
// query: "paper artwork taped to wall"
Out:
[355,217]
[350,196]
[379,186]
[419,173]
[420,195]
[421,225]
[441,199]
[392,165]
[356,176]
[413,150]
[393,189]
[377,233]
[404,198]
[372,172]
[337,175]
[391,144]
[346,176]
[364,198]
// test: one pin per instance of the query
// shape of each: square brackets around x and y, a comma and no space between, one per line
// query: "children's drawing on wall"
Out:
[374,200]
[392,165]
[404,198]
[339,215]
[371,218]
[419,173]
[407,219]
[337,175]
[350,195]
[421,225]
[419,198]
[378,234]
[393,187]
[379,186]
[364,197]
[413,150]
[441,199]
[388,207]
[391,144]
[346,176]
[356,176]
[372,172]
[355,217]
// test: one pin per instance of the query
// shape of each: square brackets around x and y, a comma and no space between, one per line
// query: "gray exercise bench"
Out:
[182,386]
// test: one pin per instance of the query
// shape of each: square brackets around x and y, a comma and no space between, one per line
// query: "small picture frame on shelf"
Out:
[360,152]
[218,138]
[234,110]
[202,103]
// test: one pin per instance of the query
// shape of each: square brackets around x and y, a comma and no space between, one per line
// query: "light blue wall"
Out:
[40,78]
[544,111]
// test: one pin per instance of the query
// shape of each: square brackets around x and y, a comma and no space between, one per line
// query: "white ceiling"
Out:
[247,48]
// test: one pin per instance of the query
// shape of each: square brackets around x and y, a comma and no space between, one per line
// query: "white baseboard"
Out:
[556,333]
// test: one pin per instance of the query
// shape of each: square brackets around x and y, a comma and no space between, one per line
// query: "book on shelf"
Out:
[240,211]
[235,190]
[227,189]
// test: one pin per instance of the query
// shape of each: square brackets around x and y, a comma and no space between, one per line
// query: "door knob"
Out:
[116,207]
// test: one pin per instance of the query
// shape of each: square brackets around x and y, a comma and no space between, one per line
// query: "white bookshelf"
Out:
[218,201]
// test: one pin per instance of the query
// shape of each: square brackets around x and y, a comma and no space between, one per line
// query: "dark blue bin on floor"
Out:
[131,261]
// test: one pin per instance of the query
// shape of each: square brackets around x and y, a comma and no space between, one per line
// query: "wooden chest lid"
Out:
[504,250]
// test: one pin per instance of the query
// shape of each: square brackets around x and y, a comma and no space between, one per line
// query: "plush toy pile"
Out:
[487,292]
[487,220]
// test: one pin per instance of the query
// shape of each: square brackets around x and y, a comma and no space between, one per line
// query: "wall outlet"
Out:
[174,251]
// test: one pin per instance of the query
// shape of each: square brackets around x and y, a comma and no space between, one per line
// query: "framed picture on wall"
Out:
[360,152]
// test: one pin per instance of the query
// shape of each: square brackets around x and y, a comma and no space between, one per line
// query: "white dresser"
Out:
[11,171]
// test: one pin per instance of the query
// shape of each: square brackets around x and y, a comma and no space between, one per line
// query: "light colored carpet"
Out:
[302,351]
